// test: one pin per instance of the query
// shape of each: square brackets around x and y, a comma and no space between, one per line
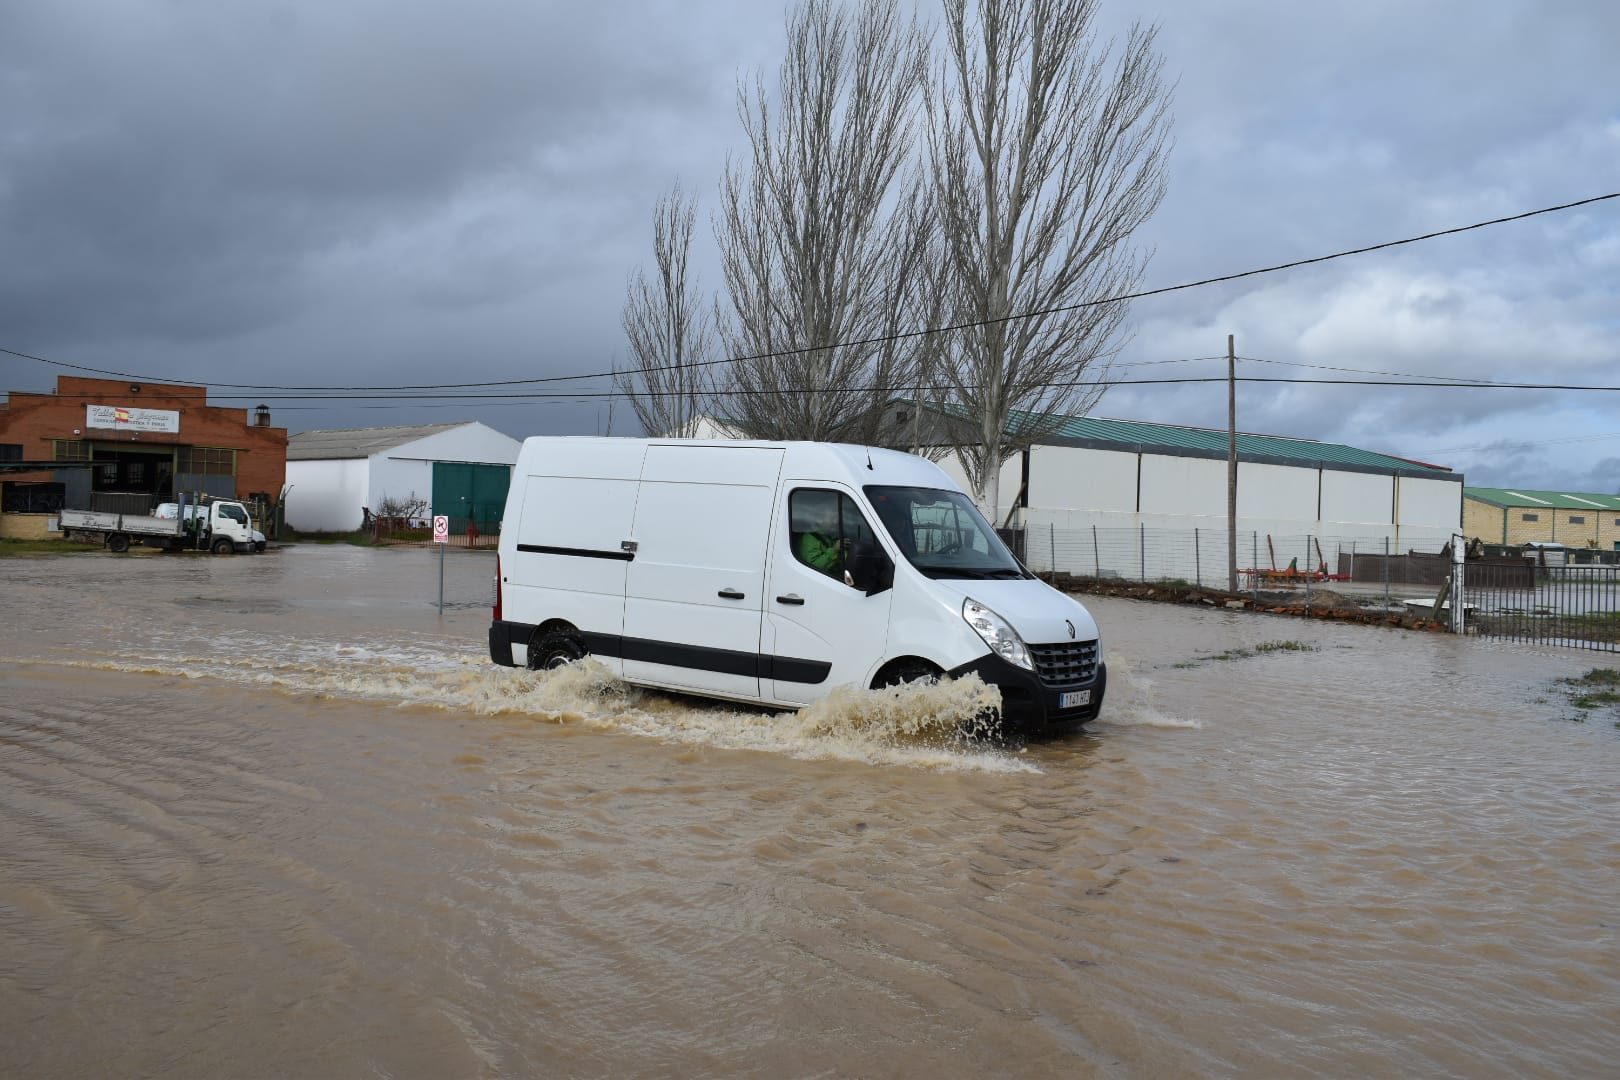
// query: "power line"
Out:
[582,396]
[884,338]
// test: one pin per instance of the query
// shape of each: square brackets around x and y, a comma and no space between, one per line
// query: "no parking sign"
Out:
[441,529]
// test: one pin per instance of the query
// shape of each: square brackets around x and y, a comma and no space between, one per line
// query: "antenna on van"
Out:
[869,458]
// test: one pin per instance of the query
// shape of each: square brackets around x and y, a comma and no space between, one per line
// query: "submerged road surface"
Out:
[276,816]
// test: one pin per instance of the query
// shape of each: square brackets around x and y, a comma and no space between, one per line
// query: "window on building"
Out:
[70,450]
[207,461]
[1577,519]
[1532,517]
[11,451]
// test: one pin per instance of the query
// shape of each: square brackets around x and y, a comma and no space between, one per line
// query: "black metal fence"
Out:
[464,532]
[1573,606]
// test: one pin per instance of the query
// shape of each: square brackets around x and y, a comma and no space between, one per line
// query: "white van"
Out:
[773,572]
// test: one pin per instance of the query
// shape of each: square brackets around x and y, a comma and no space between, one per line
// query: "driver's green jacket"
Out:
[821,552]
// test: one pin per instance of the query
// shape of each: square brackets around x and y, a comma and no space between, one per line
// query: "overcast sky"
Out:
[381,193]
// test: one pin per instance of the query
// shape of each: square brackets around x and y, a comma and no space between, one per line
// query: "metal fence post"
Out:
[1141,552]
[1386,573]
[1096,555]
[1198,562]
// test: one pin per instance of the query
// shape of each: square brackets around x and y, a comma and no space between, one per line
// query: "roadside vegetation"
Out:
[1247,653]
[17,548]
[1598,691]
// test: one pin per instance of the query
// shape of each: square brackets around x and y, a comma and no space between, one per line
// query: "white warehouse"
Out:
[1150,500]
[335,478]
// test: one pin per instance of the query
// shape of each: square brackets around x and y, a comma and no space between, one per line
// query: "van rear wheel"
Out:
[118,542]
[553,649]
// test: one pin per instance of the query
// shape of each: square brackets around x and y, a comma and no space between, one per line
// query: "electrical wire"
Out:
[885,338]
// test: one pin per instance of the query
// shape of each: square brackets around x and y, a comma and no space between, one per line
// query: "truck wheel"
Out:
[904,671]
[553,649]
[223,546]
[118,542]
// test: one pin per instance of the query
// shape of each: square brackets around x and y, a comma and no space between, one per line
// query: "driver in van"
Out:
[820,546]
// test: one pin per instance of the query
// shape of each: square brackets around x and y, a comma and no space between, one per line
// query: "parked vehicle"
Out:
[774,572]
[218,525]
[171,510]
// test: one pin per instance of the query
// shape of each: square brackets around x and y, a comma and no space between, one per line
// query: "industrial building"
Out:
[125,446]
[337,480]
[1522,516]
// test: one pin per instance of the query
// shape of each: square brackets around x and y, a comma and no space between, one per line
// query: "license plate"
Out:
[1074,699]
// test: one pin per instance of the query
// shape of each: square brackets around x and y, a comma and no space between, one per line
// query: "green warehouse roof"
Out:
[1553,500]
[1131,435]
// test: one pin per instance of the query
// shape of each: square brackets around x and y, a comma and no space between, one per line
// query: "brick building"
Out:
[113,444]
[1522,516]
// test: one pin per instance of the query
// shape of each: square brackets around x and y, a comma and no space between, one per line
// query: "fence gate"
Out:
[1574,606]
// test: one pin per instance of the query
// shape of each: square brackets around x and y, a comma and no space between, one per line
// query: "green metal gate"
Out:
[470,494]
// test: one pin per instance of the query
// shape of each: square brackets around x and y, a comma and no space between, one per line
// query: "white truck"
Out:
[216,525]
[774,572]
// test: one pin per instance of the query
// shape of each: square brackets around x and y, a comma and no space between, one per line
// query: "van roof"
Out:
[854,464]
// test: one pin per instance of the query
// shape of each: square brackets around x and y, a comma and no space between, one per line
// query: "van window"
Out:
[942,533]
[826,528]
[235,513]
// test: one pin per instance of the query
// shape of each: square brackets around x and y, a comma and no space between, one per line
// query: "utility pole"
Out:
[1231,465]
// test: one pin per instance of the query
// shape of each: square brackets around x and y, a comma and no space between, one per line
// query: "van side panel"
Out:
[566,558]
[693,593]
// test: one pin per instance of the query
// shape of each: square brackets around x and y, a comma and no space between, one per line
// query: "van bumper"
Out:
[1029,707]
[501,636]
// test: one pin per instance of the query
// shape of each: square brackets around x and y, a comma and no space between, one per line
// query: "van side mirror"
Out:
[871,570]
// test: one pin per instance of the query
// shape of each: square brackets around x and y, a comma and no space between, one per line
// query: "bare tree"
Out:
[823,229]
[669,329]
[1047,154]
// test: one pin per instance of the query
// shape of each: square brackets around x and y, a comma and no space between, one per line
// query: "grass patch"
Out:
[1596,691]
[14,548]
[1246,654]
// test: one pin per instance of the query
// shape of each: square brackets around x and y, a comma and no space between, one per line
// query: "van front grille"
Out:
[1065,663]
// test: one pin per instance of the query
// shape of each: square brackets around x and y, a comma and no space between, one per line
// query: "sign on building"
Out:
[120,418]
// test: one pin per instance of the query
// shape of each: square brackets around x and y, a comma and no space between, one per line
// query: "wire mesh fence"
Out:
[1372,568]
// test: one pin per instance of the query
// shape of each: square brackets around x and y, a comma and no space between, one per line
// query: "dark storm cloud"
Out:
[377,193]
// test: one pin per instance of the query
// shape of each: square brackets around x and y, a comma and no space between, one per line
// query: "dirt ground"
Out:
[1320,603]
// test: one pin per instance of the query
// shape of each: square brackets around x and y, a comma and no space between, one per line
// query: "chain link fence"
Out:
[1375,570]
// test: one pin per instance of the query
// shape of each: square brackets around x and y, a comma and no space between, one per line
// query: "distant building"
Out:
[1094,472]
[1521,516]
[125,446]
[335,479]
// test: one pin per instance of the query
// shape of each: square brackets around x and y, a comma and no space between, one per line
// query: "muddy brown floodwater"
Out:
[277,816]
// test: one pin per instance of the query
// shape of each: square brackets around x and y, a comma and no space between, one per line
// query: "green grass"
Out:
[1246,654]
[1597,690]
[15,548]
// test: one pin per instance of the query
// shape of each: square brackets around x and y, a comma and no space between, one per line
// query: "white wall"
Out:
[391,477]
[1430,503]
[1084,515]
[326,496]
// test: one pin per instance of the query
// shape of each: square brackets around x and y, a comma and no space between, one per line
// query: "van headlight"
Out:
[997,633]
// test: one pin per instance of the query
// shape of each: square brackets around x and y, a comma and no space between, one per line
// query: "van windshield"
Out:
[942,533]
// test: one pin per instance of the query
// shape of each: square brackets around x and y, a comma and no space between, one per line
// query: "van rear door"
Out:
[567,555]
[694,592]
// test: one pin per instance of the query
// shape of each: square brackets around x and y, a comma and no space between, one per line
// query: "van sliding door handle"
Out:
[730,594]
[790,598]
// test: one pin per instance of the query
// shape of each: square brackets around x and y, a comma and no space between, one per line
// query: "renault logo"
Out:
[1070,625]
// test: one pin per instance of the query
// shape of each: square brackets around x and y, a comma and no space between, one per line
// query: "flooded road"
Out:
[278,816]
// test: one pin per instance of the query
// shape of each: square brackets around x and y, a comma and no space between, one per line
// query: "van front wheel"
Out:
[904,671]
[553,649]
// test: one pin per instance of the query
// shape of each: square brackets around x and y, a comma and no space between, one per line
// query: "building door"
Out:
[470,494]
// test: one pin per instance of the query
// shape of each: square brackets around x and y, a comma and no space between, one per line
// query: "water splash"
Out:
[920,725]
[1131,700]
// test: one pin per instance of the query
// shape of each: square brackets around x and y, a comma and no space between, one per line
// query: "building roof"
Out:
[1133,435]
[1552,500]
[358,442]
